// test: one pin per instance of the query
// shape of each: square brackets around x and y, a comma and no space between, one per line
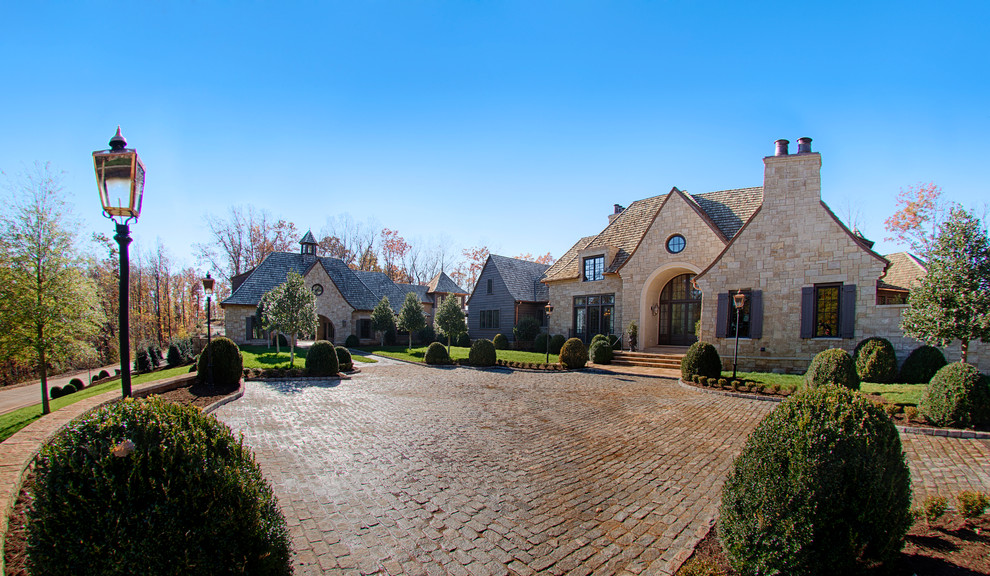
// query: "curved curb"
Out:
[226,399]
[918,430]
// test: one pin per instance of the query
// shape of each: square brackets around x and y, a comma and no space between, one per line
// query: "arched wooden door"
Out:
[680,310]
[326,329]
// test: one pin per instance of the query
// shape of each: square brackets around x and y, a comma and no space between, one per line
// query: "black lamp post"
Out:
[738,300]
[208,290]
[120,177]
[549,311]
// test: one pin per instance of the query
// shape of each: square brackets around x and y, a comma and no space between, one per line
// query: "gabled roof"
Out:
[381,285]
[724,210]
[308,238]
[444,284]
[522,278]
[904,272]
[274,269]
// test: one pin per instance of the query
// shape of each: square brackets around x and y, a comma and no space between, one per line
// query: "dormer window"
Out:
[594,268]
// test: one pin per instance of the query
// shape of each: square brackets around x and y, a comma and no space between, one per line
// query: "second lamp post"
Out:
[208,290]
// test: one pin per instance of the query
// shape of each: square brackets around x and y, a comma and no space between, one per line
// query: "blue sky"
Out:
[511,124]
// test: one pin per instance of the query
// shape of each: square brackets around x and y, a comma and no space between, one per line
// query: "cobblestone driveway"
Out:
[412,470]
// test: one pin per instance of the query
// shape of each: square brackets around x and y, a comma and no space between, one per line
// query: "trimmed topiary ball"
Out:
[104,374]
[701,358]
[69,388]
[821,487]
[436,354]
[227,363]
[78,383]
[957,396]
[462,340]
[500,342]
[344,361]
[55,392]
[556,343]
[832,366]
[875,360]
[150,487]
[482,353]
[922,364]
[352,341]
[573,354]
[600,352]
[321,360]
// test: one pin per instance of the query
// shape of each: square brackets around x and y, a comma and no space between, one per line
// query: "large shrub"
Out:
[150,487]
[702,359]
[142,361]
[832,366]
[921,364]
[352,341]
[573,354]
[600,352]
[155,355]
[321,360]
[175,357]
[482,353]
[227,363]
[436,353]
[427,334]
[526,330]
[875,360]
[344,361]
[500,342]
[462,340]
[78,383]
[556,343]
[821,487]
[957,396]
[541,342]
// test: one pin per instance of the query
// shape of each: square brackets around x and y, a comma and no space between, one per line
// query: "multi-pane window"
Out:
[744,315]
[594,315]
[364,328]
[489,319]
[594,268]
[827,311]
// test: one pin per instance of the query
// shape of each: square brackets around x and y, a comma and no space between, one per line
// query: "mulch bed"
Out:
[949,547]
[15,545]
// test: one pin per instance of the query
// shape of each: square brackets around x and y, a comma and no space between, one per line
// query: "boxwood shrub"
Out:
[462,340]
[922,364]
[436,353]
[344,361]
[227,363]
[482,353]
[321,360]
[541,342]
[875,360]
[600,351]
[556,343]
[832,366]
[352,341]
[573,354]
[701,358]
[500,342]
[150,487]
[55,392]
[78,383]
[821,487]
[957,396]
[142,361]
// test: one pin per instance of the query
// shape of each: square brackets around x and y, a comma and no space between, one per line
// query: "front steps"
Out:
[647,360]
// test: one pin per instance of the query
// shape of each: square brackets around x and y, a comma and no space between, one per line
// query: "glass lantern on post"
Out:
[549,311]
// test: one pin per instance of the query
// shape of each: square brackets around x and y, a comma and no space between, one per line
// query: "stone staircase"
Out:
[647,360]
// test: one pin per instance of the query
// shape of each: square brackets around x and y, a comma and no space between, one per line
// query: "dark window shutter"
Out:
[847,311]
[807,311]
[722,320]
[756,314]
[249,325]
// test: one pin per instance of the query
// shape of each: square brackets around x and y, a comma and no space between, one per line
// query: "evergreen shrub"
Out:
[104,374]
[956,396]
[500,342]
[701,358]
[175,357]
[321,360]
[922,364]
[142,361]
[150,487]
[436,353]
[526,330]
[875,360]
[573,354]
[155,355]
[78,383]
[556,343]
[344,361]
[227,363]
[832,366]
[600,352]
[427,334]
[541,343]
[462,340]
[352,341]
[482,353]
[821,487]
[55,392]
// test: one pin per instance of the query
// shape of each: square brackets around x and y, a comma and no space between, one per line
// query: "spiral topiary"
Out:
[832,366]
[573,354]
[227,363]
[556,343]
[701,358]
[344,361]
[821,487]
[321,360]
[922,364]
[875,360]
[500,342]
[151,487]
[352,341]
[482,353]
[436,353]
[600,352]
[957,396]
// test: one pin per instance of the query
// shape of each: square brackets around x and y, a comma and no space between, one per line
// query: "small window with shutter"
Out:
[828,311]
[750,316]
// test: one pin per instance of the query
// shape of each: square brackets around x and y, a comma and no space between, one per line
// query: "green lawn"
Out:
[899,393]
[457,353]
[11,422]
[264,357]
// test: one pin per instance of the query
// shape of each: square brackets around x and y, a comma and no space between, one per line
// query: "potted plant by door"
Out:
[633,331]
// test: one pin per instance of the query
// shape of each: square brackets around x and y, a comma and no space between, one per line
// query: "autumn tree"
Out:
[475,258]
[916,221]
[351,241]
[449,320]
[382,318]
[242,240]
[952,301]
[544,259]
[290,308]
[394,248]
[411,316]
[53,302]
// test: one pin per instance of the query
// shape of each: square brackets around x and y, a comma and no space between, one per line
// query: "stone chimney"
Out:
[792,180]
[618,209]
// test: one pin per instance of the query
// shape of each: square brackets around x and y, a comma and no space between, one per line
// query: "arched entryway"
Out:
[326,330]
[678,310]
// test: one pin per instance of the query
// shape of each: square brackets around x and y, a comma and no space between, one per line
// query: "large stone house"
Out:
[672,264]
[344,297]
[508,290]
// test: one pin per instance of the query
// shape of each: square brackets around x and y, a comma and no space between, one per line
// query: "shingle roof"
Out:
[308,238]
[726,210]
[904,272]
[276,267]
[443,283]
[522,278]
[381,285]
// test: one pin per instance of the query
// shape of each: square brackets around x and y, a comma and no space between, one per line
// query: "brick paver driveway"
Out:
[415,470]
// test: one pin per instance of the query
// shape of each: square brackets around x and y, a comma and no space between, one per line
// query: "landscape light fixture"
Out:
[120,176]
[549,310]
[738,300]
[208,290]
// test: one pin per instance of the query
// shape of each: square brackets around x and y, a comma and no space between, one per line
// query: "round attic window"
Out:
[317,289]
[676,244]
